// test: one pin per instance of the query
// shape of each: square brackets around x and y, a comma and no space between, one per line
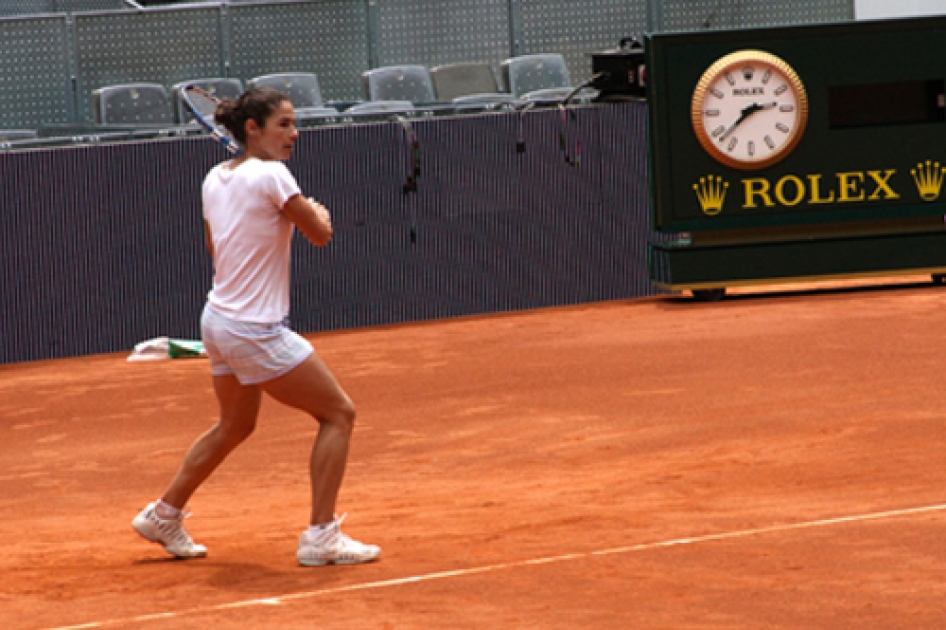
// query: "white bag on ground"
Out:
[161,348]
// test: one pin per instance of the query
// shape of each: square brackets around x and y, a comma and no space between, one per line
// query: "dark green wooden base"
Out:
[681,265]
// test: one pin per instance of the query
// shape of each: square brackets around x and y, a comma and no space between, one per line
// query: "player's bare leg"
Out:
[313,388]
[162,521]
[239,409]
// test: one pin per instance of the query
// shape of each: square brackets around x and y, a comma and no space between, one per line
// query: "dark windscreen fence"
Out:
[102,247]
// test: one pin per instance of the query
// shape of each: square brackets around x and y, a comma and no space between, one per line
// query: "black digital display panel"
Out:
[882,104]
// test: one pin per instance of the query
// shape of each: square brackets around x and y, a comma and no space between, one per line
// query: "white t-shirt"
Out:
[251,239]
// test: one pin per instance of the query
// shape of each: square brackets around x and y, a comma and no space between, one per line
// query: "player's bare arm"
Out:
[312,219]
[210,239]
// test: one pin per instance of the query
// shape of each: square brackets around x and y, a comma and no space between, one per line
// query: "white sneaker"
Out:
[333,547]
[169,533]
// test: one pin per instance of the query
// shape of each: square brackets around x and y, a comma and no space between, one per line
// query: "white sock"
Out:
[167,511]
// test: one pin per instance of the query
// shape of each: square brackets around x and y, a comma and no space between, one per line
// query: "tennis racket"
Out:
[202,106]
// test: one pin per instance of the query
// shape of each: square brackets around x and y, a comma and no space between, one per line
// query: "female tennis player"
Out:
[251,205]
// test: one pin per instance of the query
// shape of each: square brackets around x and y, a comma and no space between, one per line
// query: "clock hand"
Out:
[746,112]
[733,126]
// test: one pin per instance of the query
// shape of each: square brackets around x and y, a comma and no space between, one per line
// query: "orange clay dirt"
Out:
[774,460]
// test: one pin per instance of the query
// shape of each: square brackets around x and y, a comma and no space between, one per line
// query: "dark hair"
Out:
[255,104]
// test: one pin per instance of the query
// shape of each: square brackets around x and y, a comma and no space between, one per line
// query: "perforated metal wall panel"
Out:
[36,7]
[157,46]
[575,29]
[10,8]
[328,38]
[688,15]
[74,6]
[34,72]
[336,39]
[439,32]
[782,12]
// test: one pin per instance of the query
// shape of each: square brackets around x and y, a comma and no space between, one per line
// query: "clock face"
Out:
[749,109]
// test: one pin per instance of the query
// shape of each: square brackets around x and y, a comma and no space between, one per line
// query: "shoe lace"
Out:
[333,535]
[174,528]
[344,541]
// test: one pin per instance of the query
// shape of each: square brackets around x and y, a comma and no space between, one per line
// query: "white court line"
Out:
[279,599]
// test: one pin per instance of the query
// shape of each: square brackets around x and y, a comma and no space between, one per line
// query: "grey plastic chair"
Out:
[381,107]
[132,104]
[36,143]
[457,80]
[541,77]
[399,83]
[219,87]
[485,101]
[303,91]
[11,135]
[16,138]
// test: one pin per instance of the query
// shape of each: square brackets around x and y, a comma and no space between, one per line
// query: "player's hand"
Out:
[321,211]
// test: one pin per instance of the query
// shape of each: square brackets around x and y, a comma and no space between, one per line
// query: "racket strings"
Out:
[204,104]
[203,107]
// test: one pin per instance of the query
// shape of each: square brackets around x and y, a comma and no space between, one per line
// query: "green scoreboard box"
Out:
[797,153]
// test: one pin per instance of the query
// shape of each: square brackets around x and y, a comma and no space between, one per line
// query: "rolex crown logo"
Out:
[711,192]
[929,179]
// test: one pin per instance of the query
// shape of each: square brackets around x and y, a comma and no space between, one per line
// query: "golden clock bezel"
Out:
[710,76]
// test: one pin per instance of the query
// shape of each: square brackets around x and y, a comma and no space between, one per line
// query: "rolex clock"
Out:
[749,109]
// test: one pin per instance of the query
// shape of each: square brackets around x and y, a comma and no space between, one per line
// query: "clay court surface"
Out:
[774,460]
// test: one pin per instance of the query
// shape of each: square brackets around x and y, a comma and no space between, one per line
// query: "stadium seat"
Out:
[303,91]
[381,107]
[342,105]
[468,81]
[219,87]
[411,84]
[132,104]
[540,78]
[10,135]
[470,87]
[399,83]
